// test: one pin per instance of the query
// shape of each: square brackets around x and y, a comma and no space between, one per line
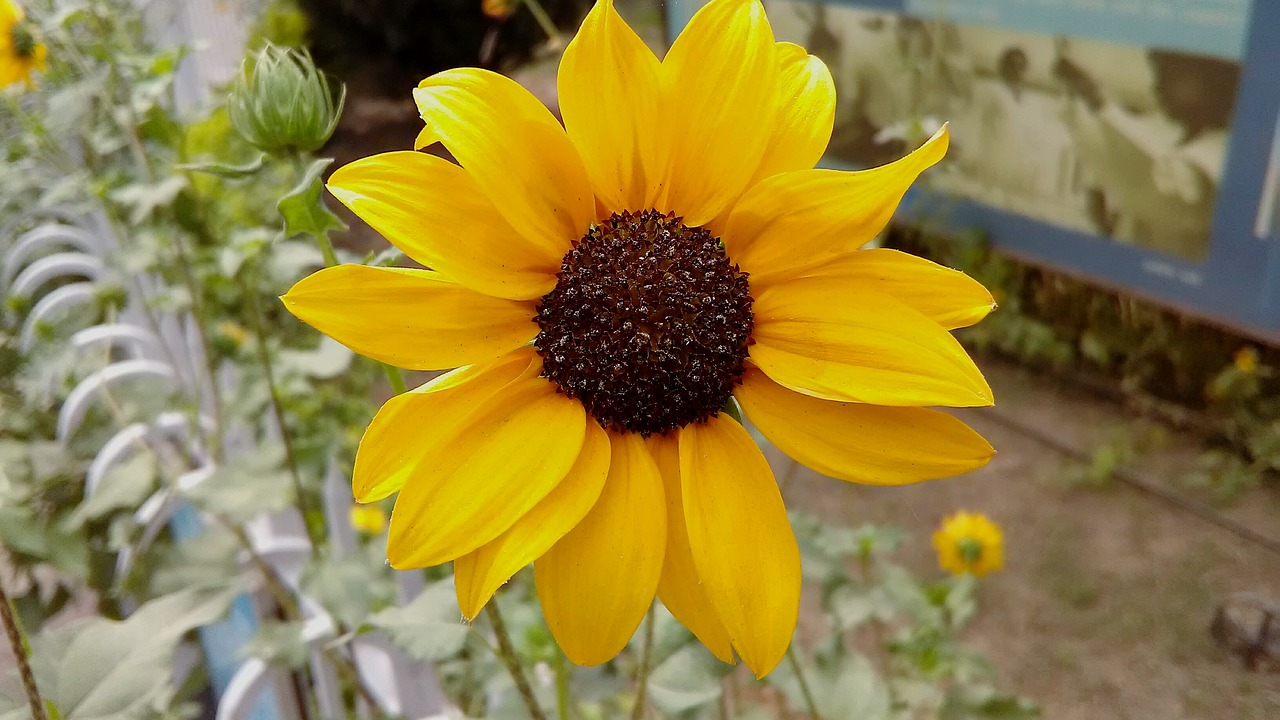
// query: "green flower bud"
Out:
[281,102]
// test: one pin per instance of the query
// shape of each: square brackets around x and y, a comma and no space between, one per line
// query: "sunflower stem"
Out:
[507,654]
[326,249]
[309,519]
[544,21]
[562,686]
[18,643]
[642,674]
[810,704]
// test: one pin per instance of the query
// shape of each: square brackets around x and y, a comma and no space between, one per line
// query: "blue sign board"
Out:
[1133,142]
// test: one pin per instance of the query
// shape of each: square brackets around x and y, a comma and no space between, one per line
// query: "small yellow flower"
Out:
[605,290]
[369,519]
[233,331]
[1246,360]
[969,543]
[20,54]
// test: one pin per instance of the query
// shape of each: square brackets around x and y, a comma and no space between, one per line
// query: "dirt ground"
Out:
[1104,606]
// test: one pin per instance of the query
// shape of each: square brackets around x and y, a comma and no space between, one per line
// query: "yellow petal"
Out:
[806,113]
[412,319]
[479,574]
[824,338]
[514,149]
[609,97]
[679,588]
[743,547]
[407,424]
[485,473]
[945,296]
[722,74]
[426,136]
[420,203]
[799,220]
[598,582]
[868,444]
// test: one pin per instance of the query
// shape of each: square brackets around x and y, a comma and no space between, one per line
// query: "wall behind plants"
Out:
[1185,371]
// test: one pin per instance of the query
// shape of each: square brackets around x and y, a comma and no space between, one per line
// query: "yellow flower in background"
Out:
[606,290]
[1246,360]
[20,54]
[969,543]
[369,519]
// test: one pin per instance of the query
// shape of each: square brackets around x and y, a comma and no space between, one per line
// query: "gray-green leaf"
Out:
[429,628]
[304,210]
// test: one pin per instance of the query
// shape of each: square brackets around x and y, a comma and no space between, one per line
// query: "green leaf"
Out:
[970,702]
[303,208]
[279,643]
[349,587]
[143,199]
[126,485]
[247,486]
[117,669]
[227,171]
[689,678]
[430,628]
[330,359]
[849,687]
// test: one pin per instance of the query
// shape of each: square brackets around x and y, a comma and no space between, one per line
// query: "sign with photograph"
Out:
[1131,141]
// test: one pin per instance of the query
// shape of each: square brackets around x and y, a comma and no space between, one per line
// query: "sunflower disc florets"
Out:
[648,324]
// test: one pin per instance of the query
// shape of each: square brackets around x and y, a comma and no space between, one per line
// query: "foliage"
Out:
[1186,371]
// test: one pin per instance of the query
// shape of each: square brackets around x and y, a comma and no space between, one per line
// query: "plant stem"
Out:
[316,535]
[562,686]
[507,654]
[288,605]
[642,674]
[809,702]
[326,249]
[18,644]
[544,21]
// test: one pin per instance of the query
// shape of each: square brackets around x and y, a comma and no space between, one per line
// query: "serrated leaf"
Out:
[303,208]
[690,677]
[116,669]
[279,643]
[849,687]
[227,171]
[247,486]
[144,198]
[349,587]
[430,628]
[329,359]
[126,485]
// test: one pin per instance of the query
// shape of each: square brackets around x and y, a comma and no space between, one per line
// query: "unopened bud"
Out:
[281,102]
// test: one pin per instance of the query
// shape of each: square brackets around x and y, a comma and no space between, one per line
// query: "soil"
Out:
[1104,606]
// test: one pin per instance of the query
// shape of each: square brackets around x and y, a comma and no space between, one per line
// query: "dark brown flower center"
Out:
[648,324]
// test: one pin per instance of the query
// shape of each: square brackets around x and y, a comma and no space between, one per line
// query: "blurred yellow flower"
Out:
[20,54]
[1246,360]
[609,288]
[233,331]
[969,543]
[369,519]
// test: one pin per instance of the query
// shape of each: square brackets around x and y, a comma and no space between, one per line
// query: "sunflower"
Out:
[609,292]
[969,543]
[20,54]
